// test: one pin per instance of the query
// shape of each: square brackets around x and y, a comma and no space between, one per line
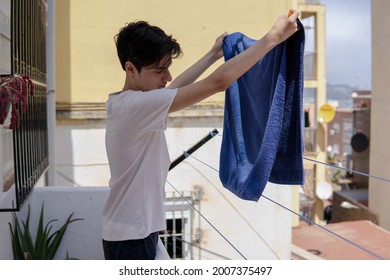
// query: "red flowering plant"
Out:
[14,90]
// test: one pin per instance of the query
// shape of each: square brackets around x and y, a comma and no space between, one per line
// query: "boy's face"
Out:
[155,76]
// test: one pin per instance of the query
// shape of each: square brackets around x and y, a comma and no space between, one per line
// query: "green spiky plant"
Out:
[46,243]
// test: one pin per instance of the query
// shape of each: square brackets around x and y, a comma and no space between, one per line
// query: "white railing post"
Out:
[51,99]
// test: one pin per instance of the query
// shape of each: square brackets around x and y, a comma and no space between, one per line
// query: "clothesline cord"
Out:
[222,194]
[341,168]
[304,218]
[231,244]
[347,169]
[324,228]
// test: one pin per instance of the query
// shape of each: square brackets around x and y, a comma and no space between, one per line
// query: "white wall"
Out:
[5,238]
[83,238]
[265,233]
[259,230]
[81,155]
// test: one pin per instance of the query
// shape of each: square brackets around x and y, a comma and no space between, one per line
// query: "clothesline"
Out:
[233,206]
[340,167]
[215,132]
[302,217]
[347,169]
[227,240]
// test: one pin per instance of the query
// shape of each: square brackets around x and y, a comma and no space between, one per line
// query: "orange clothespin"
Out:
[290,12]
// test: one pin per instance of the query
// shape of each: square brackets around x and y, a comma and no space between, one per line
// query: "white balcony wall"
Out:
[82,239]
[259,230]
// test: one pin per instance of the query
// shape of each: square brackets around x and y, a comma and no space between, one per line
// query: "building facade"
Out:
[315,131]
[87,69]
[379,190]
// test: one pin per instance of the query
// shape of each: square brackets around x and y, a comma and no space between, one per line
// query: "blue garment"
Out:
[262,131]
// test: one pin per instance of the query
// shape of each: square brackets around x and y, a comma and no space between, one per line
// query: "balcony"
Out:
[83,238]
[310,139]
[310,68]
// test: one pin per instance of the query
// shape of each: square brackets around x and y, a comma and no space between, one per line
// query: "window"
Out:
[310,119]
[310,56]
[347,149]
[178,236]
[173,238]
[347,130]
[336,128]
[336,149]
[5,37]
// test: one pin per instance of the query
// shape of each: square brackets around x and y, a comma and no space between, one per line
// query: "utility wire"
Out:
[324,228]
[347,169]
[341,168]
[170,243]
[235,209]
[309,221]
[212,134]
[231,244]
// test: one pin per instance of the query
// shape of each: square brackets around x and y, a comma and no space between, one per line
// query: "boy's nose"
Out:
[168,76]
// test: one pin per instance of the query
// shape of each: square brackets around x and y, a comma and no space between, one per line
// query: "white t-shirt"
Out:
[139,162]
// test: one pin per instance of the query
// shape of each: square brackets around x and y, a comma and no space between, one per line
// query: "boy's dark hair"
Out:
[144,45]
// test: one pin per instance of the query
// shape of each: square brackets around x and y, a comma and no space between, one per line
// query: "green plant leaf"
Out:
[16,244]
[56,237]
[28,241]
[40,240]
[21,236]
[46,244]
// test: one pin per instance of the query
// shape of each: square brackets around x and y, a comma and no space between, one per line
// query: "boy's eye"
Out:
[160,70]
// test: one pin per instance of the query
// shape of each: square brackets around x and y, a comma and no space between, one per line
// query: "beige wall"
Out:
[379,191]
[87,65]
[319,83]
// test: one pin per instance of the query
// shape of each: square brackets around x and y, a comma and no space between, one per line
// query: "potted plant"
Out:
[13,91]
[46,243]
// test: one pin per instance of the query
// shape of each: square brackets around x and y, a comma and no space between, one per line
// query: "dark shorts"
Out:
[137,249]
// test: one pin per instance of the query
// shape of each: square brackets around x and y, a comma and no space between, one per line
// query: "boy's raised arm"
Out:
[192,73]
[234,68]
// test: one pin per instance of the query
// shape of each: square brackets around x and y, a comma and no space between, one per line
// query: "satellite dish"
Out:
[359,142]
[326,113]
[324,190]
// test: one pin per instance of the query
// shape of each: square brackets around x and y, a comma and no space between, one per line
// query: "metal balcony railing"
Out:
[28,56]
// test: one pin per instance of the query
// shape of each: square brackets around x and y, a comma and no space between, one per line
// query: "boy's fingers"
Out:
[293,13]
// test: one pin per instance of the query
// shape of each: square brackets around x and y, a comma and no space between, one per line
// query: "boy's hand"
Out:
[217,50]
[284,27]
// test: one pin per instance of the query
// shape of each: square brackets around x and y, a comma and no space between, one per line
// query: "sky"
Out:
[348,42]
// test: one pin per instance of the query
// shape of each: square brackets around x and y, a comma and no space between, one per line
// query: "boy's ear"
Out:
[130,68]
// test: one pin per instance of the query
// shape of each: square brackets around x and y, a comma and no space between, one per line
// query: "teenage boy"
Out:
[136,120]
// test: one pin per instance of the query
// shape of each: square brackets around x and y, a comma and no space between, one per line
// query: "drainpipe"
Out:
[51,97]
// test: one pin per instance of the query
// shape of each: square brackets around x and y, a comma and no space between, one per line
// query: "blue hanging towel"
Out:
[262,131]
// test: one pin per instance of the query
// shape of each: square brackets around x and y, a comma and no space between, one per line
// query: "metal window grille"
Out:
[178,236]
[173,238]
[28,57]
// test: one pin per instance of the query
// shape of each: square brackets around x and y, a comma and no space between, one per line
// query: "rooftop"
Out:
[364,234]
